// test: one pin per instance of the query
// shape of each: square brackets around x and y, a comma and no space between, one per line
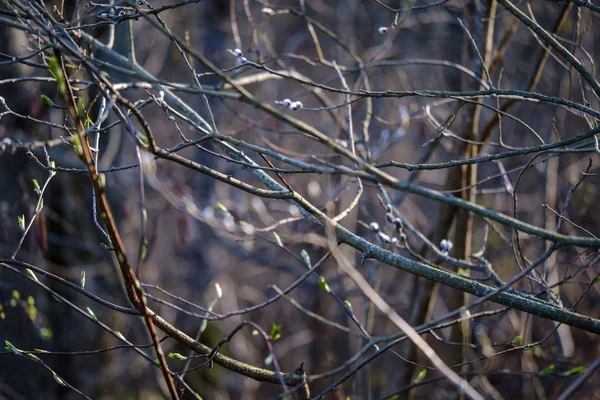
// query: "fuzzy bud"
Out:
[446,246]
[295,106]
[374,227]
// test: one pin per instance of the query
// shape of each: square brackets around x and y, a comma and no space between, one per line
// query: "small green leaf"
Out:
[177,356]
[120,257]
[219,290]
[517,339]
[40,206]
[120,335]
[41,351]
[255,333]
[32,275]
[36,187]
[89,310]
[268,360]
[348,304]
[104,246]
[278,239]
[82,280]
[224,211]
[47,100]
[144,252]
[10,347]
[143,139]
[102,180]
[56,72]
[54,68]
[305,257]
[547,371]
[31,312]
[80,107]
[33,357]
[21,221]
[421,376]
[275,332]
[16,295]
[530,347]
[77,145]
[46,333]
[57,379]
[575,371]
[324,285]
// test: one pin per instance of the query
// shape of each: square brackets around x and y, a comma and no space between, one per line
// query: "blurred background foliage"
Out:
[202,232]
